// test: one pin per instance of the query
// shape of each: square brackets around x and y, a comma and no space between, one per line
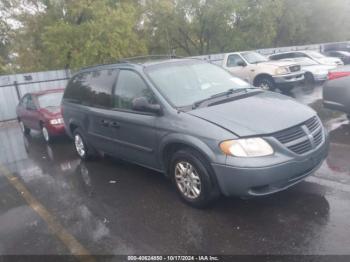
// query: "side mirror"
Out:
[142,104]
[241,63]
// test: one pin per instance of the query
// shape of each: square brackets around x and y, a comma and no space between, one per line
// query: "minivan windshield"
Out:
[187,82]
[254,58]
[50,100]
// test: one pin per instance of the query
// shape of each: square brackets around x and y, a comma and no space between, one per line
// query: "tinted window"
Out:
[130,86]
[289,55]
[92,88]
[77,89]
[101,84]
[30,103]
[280,56]
[234,60]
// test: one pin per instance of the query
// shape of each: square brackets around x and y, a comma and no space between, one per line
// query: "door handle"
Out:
[114,124]
[105,123]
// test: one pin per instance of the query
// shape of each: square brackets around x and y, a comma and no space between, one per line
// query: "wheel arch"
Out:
[72,126]
[260,76]
[173,144]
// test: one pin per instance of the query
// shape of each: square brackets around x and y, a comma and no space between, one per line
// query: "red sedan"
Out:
[42,111]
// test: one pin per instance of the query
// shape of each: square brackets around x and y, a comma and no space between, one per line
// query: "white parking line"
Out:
[328,183]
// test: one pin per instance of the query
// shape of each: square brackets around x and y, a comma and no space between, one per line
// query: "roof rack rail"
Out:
[91,66]
[146,57]
[131,59]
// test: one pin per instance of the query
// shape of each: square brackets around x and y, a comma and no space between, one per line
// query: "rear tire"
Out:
[265,83]
[193,178]
[25,130]
[84,150]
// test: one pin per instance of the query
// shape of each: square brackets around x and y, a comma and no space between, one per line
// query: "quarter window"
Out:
[92,88]
[130,86]
[30,103]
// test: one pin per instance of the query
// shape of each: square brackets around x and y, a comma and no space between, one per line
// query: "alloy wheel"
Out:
[79,145]
[187,180]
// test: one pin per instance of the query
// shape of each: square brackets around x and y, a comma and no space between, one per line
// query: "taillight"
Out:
[335,75]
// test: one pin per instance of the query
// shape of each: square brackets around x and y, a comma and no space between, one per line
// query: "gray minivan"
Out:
[208,131]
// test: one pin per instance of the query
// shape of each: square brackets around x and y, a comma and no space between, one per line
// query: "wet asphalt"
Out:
[112,207]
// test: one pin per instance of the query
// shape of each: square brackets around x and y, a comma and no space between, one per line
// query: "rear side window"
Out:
[280,56]
[130,86]
[30,103]
[92,88]
[77,89]
[299,55]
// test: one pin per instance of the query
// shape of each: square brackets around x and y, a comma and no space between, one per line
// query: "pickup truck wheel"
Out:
[309,80]
[265,83]
[193,179]
[25,130]
[84,150]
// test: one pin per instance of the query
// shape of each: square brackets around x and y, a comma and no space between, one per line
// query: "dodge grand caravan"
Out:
[210,132]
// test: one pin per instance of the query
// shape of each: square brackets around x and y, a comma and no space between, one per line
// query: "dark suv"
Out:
[211,133]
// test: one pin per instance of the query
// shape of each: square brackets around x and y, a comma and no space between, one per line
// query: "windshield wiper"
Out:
[226,93]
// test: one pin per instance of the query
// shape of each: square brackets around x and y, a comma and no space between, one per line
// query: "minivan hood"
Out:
[261,114]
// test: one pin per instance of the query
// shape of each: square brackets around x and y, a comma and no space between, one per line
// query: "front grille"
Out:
[294,68]
[303,138]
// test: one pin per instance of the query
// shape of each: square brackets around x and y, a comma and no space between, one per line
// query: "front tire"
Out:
[193,179]
[265,83]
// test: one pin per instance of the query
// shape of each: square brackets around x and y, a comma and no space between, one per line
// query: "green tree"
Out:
[313,21]
[76,33]
[195,27]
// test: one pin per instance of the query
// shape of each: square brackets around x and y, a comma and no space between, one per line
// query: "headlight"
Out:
[281,71]
[250,147]
[57,121]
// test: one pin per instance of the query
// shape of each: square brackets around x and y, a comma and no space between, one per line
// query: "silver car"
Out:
[314,72]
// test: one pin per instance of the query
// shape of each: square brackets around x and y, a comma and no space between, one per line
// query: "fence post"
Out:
[17,90]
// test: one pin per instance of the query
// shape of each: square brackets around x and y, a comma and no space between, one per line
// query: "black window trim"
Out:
[143,79]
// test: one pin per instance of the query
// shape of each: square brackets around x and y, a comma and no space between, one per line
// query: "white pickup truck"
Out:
[260,72]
